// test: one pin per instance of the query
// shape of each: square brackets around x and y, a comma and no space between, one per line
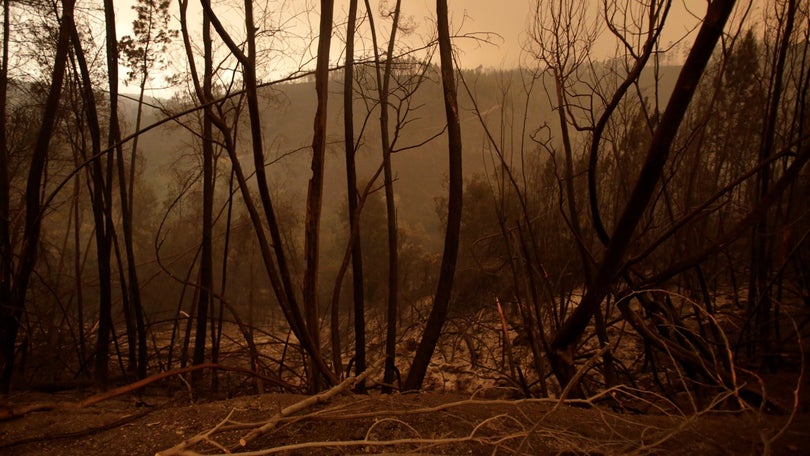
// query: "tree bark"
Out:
[6,253]
[564,343]
[315,192]
[101,203]
[358,292]
[760,300]
[279,275]
[441,301]
[576,226]
[126,189]
[206,255]
[10,314]
[392,297]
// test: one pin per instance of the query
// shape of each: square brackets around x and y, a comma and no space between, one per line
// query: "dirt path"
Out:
[424,423]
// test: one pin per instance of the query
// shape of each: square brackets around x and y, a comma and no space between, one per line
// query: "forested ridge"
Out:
[632,227]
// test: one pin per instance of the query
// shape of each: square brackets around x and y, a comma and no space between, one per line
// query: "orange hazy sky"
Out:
[506,20]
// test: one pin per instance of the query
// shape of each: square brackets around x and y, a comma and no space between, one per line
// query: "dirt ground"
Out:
[419,423]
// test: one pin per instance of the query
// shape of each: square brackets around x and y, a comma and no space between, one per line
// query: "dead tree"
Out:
[444,289]
[565,341]
[315,194]
[11,313]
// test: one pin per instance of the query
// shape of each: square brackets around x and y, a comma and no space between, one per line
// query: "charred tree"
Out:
[441,301]
[204,296]
[315,193]
[564,344]
[358,294]
[11,313]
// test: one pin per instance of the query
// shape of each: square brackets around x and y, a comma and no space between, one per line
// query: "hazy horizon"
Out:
[488,34]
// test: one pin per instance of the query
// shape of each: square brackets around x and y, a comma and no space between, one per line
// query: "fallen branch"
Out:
[519,432]
[578,376]
[268,425]
[8,413]
[81,433]
[180,448]
[346,385]
[372,443]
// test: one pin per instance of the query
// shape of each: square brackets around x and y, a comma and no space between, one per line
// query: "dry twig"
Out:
[261,428]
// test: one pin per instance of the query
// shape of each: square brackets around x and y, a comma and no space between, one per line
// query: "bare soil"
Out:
[419,423]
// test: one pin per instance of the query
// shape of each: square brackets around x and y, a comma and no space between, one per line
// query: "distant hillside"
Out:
[288,114]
